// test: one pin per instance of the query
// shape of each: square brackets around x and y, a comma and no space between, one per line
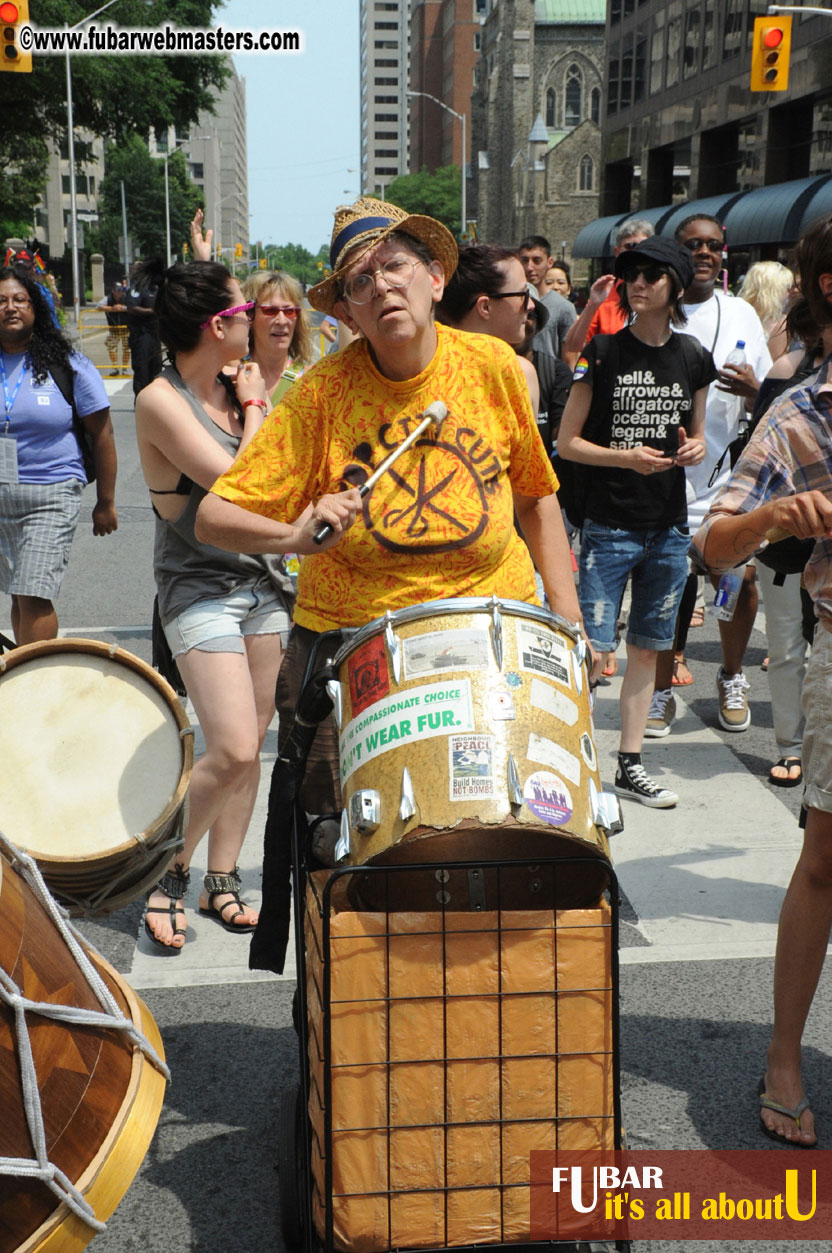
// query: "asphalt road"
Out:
[702,885]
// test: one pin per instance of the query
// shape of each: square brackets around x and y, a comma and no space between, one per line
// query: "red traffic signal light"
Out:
[770,52]
[12,57]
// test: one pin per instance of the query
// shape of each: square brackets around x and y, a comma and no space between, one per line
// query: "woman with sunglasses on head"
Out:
[223,614]
[636,416]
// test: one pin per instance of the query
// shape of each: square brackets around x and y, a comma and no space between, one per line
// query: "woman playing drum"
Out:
[441,523]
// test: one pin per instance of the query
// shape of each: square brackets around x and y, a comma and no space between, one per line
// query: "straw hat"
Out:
[360,226]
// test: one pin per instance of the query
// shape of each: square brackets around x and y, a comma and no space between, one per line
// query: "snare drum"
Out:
[465,733]
[97,756]
[98,1092]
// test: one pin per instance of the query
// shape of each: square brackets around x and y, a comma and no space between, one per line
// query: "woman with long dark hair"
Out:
[224,615]
[53,398]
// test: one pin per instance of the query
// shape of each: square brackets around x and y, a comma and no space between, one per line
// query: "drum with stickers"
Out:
[466,734]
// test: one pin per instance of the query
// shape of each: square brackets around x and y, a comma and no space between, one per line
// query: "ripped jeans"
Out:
[657,561]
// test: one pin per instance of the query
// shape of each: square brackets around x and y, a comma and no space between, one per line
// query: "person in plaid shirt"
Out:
[783,482]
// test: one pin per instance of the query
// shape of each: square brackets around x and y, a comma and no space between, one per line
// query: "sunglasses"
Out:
[247,309]
[650,273]
[288,311]
[713,245]
[504,295]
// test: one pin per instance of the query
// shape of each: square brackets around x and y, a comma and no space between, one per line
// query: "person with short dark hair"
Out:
[142,330]
[535,256]
[48,389]
[636,415]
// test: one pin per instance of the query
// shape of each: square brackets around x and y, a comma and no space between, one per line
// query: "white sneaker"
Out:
[662,714]
[734,714]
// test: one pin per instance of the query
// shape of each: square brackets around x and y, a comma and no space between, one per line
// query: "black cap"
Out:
[659,249]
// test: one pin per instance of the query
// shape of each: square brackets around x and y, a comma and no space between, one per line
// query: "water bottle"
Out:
[737,355]
[727,594]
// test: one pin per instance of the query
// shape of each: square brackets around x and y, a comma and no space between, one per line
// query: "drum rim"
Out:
[78,644]
[453,605]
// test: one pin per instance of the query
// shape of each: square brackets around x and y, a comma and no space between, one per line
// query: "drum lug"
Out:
[606,811]
[578,654]
[515,792]
[497,632]
[333,691]
[394,648]
[365,811]
[407,808]
[343,848]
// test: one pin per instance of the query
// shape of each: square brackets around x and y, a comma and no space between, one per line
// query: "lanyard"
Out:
[8,401]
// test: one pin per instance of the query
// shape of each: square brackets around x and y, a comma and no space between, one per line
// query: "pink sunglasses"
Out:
[247,309]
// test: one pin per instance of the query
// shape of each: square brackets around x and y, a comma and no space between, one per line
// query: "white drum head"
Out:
[91,755]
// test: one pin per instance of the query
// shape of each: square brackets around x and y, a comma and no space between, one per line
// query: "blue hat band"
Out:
[349,232]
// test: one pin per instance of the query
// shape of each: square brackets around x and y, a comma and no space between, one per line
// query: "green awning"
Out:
[771,215]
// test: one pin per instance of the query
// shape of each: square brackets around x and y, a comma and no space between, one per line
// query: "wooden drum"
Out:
[97,756]
[99,1091]
[466,735]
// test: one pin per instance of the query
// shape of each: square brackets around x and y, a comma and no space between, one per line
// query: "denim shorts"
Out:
[218,626]
[658,562]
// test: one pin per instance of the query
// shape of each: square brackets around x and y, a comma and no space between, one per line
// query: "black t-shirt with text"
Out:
[641,396]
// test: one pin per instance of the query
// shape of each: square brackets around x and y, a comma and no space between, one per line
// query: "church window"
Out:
[574,89]
[550,107]
[586,173]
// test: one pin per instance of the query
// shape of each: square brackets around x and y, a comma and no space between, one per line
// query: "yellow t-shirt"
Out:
[440,523]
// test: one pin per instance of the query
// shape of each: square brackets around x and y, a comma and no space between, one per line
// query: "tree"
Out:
[297,261]
[437,195]
[113,97]
[143,176]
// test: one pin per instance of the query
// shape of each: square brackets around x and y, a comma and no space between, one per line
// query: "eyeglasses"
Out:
[271,311]
[650,273]
[525,293]
[713,245]
[361,288]
[17,302]
[634,243]
[247,309]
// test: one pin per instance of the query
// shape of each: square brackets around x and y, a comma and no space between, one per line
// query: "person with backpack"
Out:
[635,417]
[54,406]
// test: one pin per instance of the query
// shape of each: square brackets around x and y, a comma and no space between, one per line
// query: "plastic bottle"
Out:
[737,355]
[727,594]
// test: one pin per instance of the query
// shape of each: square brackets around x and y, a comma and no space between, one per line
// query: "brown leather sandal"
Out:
[217,884]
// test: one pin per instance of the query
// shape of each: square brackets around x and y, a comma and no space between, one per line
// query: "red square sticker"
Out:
[368,675]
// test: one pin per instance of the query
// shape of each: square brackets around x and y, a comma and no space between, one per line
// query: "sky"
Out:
[303,117]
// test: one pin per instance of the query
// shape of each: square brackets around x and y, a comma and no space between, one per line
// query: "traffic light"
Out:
[238,252]
[770,52]
[13,15]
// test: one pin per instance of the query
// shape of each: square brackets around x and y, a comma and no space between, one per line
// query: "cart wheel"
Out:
[290,1166]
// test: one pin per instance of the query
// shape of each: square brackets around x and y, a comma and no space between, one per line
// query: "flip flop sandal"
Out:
[788,763]
[219,884]
[678,680]
[174,885]
[767,1103]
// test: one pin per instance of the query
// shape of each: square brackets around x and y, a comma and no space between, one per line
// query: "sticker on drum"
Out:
[369,676]
[513,679]
[548,797]
[501,705]
[542,651]
[551,701]
[548,753]
[588,750]
[471,772]
[437,652]
[419,713]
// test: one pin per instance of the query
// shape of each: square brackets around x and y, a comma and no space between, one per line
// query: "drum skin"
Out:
[497,741]
[96,769]
[100,1096]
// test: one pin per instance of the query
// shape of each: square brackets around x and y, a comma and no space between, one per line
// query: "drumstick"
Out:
[435,414]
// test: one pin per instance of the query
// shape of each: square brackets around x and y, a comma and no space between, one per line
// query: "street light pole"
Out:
[70,134]
[461,118]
